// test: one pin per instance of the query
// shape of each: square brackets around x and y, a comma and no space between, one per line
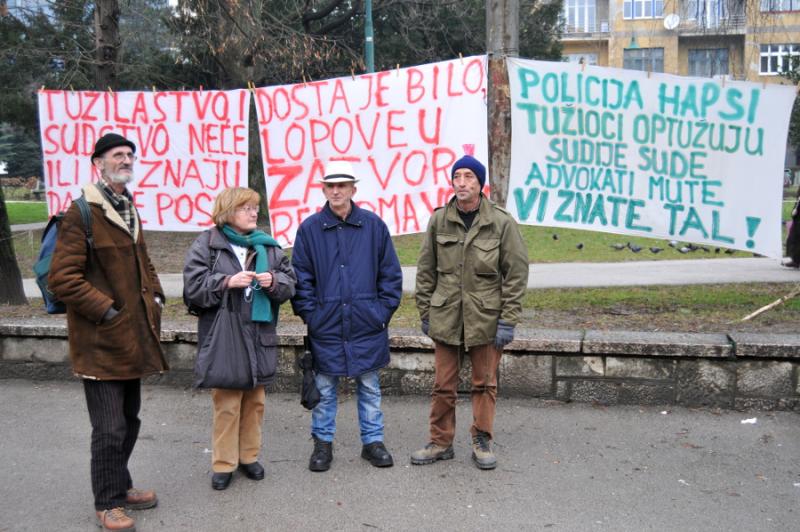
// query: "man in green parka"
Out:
[471,276]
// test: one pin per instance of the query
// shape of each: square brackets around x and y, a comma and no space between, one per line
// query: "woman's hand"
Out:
[241,279]
[264,279]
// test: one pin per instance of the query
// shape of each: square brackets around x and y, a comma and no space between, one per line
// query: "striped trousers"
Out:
[114,414]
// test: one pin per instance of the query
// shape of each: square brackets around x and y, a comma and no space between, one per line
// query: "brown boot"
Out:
[116,519]
[137,499]
[432,453]
[482,453]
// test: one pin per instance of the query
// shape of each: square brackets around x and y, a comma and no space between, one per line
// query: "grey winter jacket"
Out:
[209,262]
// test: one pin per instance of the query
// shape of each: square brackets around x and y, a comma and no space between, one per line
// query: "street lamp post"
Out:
[369,45]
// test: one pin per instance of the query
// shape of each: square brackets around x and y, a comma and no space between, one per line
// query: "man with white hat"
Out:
[349,284]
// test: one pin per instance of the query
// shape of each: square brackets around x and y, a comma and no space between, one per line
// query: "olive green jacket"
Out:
[467,280]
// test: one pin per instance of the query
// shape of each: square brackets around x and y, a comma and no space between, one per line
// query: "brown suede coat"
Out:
[116,272]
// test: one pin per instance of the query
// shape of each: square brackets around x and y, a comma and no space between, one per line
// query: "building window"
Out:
[581,59]
[780,5]
[707,63]
[778,58]
[715,13]
[643,9]
[646,59]
[580,16]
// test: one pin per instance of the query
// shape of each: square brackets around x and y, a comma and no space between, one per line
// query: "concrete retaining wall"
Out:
[608,367]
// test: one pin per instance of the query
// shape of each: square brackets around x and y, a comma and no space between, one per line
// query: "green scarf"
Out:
[262,307]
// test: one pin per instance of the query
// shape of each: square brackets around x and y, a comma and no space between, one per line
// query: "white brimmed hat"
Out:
[339,172]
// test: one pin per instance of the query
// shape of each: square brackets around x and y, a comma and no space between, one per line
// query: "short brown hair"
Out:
[229,200]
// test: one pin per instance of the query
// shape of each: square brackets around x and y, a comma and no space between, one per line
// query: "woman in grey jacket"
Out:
[247,269]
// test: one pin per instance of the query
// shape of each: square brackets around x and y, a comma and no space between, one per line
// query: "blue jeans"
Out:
[370,417]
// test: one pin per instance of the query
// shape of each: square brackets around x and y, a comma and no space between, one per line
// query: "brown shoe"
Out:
[116,519]
[137,499]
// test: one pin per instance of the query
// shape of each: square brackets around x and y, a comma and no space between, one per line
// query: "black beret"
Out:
[111,140]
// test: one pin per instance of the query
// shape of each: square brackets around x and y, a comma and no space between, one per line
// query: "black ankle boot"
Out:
[220,481]
[322,456]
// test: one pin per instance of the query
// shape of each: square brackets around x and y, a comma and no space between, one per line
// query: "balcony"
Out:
[732,25]
[586,31]
[713,17]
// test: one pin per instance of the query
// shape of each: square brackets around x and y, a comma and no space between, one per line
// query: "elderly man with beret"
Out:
[472,273]
[114,300]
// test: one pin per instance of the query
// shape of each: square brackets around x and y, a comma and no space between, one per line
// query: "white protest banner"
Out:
[190,146]
[653,155]
[401,129]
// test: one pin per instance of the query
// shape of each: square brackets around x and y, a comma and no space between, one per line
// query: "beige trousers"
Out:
[236,435]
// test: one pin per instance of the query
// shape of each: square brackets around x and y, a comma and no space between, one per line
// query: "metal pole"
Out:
[502,41]
[369,45]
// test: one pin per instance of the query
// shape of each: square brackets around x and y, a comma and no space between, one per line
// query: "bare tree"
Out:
[106,22]
[11,291]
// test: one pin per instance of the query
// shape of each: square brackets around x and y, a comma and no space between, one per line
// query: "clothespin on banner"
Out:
[109,90]
[305,84]
[723,81]
[154,88]
[201,88]
[461,58]
[353,74]
[42,88]
[398,69]
[251,86]
[71,88]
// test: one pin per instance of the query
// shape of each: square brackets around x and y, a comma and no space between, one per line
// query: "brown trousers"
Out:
[485,361]
[236,437]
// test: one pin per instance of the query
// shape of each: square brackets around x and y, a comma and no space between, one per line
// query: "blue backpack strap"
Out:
[86,216]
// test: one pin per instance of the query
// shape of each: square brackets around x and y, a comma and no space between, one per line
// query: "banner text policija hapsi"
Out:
[655,156]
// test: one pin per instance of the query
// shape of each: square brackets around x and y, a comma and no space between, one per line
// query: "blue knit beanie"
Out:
[473,164]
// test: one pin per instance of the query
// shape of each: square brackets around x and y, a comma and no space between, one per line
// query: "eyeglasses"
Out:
[248,209]
[119,157]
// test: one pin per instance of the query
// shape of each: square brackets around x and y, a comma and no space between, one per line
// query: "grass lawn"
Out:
[26,212]
[693,308]
[699,308]
[551,244]
[705,308]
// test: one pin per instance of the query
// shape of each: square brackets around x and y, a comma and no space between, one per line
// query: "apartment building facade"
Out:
[752,40]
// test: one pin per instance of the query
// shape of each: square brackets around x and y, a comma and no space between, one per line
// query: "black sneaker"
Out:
[377,454]
[322,456]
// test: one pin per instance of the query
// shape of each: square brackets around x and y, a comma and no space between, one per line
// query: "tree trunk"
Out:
[11,291]
[107,40]
[502,40]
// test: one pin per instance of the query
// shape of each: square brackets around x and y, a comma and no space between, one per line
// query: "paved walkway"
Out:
[562,467]
[598,274]
[28,227]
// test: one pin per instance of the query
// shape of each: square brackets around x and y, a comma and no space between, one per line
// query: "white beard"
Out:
[122,179]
